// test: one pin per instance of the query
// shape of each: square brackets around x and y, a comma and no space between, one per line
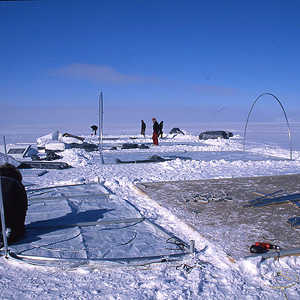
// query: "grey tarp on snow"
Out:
[151,159]
[86,222]
[43,165]
[145,157]
[176,130]
[215,135]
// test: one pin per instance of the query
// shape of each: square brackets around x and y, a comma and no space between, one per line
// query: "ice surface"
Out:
[209,274]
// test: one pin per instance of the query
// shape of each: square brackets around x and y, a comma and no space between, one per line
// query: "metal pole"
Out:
[286,118]
[3,222]
[101,127]
[5,151]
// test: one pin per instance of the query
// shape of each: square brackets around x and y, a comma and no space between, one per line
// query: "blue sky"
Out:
[176,60]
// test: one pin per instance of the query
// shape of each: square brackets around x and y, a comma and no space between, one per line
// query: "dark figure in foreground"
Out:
[161,125]
[94,128]
[143,128]
[155,132]
[15,203]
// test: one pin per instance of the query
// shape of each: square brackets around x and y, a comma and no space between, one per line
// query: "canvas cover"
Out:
[215,135]
[87,222]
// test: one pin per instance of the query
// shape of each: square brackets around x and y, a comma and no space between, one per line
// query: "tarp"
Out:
[215,135]
[43,165]
[87,222]
[153,158]
[176,130]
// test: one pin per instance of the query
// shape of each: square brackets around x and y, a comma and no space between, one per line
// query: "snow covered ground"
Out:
[208,274]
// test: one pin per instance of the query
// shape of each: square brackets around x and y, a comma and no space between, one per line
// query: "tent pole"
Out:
[5,151]
[3,222]
[101,127]
[286,119]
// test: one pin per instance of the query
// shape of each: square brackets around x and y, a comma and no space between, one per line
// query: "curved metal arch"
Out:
[287,122]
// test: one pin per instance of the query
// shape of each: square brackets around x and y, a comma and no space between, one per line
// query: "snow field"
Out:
[208,274]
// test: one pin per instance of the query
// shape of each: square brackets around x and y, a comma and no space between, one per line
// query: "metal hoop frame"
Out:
[287,122]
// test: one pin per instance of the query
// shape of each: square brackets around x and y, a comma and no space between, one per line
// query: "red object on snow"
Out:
[267,246]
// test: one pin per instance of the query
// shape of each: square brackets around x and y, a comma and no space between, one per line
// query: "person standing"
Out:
[15,203]
[155,132]
[143,128]
[161,125]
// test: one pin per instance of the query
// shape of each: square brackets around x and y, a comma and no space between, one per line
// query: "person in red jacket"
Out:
[15,203]
[155,132]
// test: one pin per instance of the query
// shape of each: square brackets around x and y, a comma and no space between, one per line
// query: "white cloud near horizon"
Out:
[100,74]
[107,75]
